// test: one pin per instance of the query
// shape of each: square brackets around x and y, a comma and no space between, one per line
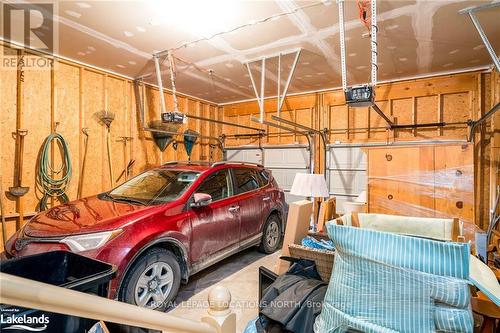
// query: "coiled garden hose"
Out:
[54,187]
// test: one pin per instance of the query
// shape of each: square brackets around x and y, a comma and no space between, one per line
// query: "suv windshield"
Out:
[153,187]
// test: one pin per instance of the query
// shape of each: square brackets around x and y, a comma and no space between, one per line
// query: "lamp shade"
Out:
[310,185]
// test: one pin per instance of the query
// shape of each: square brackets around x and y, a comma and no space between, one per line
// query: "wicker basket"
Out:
[322,258]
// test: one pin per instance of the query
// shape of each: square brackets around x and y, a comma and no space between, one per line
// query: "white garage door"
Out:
[246,155]
[347,174]
[284,162]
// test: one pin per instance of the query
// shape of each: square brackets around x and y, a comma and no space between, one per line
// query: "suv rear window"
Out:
[263,178]
[246,179]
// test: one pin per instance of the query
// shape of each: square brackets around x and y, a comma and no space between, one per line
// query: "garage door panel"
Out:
[347,173]
[348,159]
[285,177]
[289,198]
[340,200]
[347,182]
[247,155]
[286,158]
[284,164]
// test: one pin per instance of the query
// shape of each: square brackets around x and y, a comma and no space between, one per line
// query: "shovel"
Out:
[2,211]
[85,131]
[19,191]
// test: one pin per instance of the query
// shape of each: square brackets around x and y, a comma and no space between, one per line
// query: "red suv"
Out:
[164,225]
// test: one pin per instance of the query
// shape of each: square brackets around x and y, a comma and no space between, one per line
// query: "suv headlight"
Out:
[87,242]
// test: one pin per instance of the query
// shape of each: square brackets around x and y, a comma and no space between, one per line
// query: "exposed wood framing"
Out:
[450,99]
[70,95]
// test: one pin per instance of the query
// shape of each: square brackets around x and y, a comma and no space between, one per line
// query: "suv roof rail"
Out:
[237,162]
[186,162]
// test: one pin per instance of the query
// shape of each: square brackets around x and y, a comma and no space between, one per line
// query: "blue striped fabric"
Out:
[449,319]
[383,282]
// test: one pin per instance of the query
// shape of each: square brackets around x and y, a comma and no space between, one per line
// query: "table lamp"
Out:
[310,185]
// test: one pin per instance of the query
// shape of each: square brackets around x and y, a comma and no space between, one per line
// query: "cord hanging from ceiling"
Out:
[213,91]
[364,13]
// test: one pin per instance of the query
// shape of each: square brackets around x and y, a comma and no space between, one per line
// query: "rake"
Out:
[106,117]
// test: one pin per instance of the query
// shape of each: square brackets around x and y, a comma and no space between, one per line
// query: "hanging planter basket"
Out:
[162,140]
[190,138]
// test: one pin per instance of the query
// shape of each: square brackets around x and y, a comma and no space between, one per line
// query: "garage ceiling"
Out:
[415,38]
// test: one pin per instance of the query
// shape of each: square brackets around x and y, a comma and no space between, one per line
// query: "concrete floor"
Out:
[239,273]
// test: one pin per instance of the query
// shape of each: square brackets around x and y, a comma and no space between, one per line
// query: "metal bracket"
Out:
[373,33]
[471,11]
[322,134]
[373,42]
[382,114]
[160,84]
[307,134]
[226,123]
[154,130]
[342,44]
[474,124]
[281,96]
[170,58]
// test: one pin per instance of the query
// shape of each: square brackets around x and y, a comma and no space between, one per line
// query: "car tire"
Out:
[271,235]
[153,280]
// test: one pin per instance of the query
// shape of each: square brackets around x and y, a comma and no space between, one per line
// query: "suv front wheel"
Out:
[153,281]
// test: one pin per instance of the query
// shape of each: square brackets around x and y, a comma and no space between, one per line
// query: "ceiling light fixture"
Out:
[225,11]
[209,17]
[83,5]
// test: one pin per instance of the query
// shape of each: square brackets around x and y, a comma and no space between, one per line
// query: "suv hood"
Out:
[81,216]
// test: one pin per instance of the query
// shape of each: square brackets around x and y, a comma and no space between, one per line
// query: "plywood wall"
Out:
[453,99]
[71,94]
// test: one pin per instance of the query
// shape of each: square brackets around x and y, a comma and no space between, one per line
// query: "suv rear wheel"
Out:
[271,236]
[153,280]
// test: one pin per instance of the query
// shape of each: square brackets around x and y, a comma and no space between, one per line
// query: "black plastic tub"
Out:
[62,269]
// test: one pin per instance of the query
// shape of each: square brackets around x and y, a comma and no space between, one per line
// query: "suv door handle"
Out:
[234,209]
[266,198]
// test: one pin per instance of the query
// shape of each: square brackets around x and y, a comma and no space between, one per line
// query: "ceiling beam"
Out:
[301,39]
[303,23]
[422,28]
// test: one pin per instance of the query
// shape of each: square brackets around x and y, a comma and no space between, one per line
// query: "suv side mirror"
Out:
[201,199]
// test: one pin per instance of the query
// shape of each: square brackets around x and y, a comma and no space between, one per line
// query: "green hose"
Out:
[54,187]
